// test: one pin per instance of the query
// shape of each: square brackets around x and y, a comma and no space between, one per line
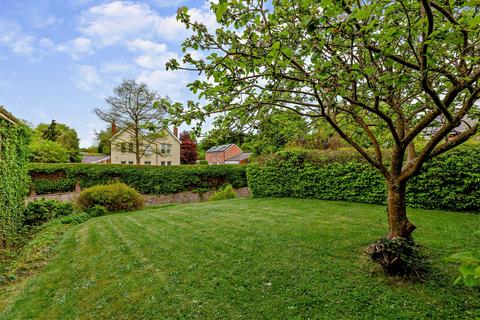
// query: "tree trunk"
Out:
[399,225]
[137,146]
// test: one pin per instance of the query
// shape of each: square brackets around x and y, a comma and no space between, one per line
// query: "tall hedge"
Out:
[50,178]
[451,181]
[14,180]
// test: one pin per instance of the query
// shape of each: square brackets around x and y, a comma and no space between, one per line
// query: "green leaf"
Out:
[475,21]
[472,3]
[221,9]
[369,70]
[287,51]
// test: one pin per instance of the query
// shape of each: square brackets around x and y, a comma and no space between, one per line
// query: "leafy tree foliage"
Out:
[405,68]
[63,135]
[188,149]
[132,109]
[51,132]
[46,151]
[104,139]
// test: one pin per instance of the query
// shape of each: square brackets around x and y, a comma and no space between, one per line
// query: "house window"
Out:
[123,162]
[147,163]
[126,147]
[163,163]
[169,163]
[150,150]
[165,148]
[130,162]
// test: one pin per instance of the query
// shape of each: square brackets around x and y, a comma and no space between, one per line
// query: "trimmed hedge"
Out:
[450,181]
[51,178]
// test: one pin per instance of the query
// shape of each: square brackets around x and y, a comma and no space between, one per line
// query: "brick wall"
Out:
[181,197]
[232,151]
[215,157]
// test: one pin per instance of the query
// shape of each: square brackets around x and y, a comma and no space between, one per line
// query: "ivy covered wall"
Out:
[14,180]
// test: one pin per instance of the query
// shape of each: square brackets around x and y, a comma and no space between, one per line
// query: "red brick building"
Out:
[226,154]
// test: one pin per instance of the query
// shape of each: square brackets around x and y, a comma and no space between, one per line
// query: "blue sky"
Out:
[60,59]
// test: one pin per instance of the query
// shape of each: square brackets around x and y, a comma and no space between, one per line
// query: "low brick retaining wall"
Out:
[182,197]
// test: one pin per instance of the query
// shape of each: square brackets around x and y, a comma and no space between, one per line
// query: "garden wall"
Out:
[451,181]
[14,182]
[53,178]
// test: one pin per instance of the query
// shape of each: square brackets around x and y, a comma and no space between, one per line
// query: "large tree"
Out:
[65,138]
[409,68]
[131,109]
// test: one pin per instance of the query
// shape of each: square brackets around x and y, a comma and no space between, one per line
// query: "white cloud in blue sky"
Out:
[61,59]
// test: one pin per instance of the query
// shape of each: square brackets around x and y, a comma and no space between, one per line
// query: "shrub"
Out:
[97,211]
[469,266]
[226,193]
[203,162]
[450,181]
[114,197]
[75,218]
[41,211]
[47,178]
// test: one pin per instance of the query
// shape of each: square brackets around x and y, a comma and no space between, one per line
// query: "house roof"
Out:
[166,129]
[7,115]
[240,157]
[220,148]
[94,158]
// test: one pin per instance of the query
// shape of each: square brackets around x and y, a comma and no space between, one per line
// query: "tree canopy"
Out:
[55,142]
[391,73]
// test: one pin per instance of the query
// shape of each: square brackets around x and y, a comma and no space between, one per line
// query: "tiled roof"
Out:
[240,157]
[7,115]
[220,148]
[94,159]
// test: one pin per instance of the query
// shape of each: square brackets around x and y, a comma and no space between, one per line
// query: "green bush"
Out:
[114,197]
[49,178]
[77,218]
[203,162]
[450,181]
[226,193]
[97,211]
[41,211]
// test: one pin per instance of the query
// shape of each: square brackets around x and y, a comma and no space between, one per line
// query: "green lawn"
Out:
[245,258]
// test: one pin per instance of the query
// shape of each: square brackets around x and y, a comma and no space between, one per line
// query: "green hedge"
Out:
[50,178]
[451,181]
[14,140]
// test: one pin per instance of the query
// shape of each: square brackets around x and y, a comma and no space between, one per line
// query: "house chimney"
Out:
[175,131]
[114,128]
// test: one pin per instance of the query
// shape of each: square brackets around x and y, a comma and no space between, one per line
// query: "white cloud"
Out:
[77,48]
[172,84]
[13,38]
[88,78]
[117,68]
[154,55]
[147,46]
[117,21]
[121,21]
